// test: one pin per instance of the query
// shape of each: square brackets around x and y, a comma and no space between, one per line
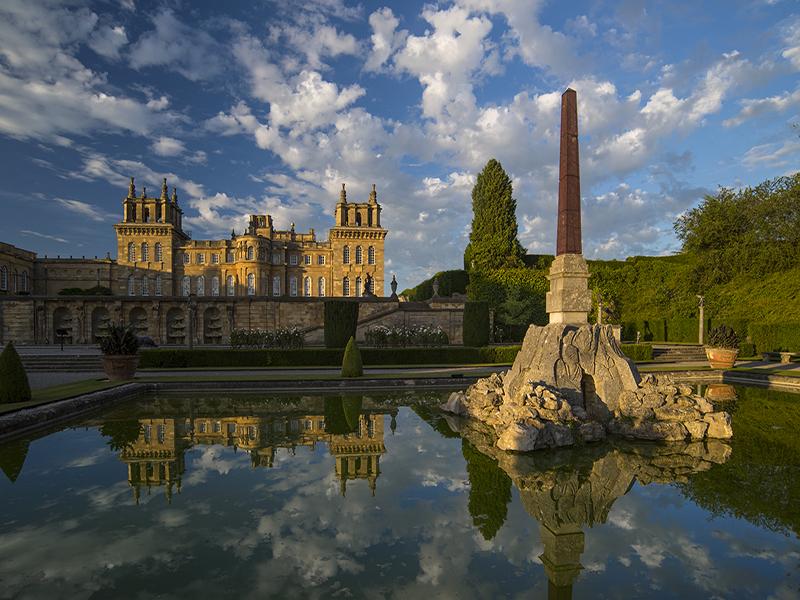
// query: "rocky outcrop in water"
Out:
[572,384]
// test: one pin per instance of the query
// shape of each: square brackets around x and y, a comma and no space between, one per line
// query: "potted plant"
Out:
[120,347]
[722,347]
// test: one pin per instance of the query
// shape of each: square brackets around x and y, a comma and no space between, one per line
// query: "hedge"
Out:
[14,385]
[637,352]
[341,320]
[450,282]
[324,357]
[476,324]
[775,338]
[352,366]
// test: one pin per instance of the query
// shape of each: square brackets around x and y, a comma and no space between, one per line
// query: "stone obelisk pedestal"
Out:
[569,300]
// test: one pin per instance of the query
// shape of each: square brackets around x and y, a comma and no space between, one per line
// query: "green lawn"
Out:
[60,392]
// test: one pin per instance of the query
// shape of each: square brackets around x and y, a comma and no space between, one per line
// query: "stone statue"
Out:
[393,285]
[435,287]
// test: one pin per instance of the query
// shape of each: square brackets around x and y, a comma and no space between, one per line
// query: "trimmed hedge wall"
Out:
[341,320]
[323,357]
[774,338]
[476,324]
[637,352]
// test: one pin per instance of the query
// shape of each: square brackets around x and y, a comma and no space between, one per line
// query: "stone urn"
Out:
[720,392]
[120,367]
[721,358]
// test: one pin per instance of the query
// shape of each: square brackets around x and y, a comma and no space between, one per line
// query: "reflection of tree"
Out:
[341,414]
[490,491]
[761,481]
[12,457]
[121,434]
[435,419]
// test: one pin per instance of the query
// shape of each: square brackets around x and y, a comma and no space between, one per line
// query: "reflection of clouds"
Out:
[451,484]
[652,555]
[173,518]
[99,455]
[214,459]
[621,519]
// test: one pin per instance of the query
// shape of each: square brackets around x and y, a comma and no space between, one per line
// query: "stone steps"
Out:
[693,352]
[57,362]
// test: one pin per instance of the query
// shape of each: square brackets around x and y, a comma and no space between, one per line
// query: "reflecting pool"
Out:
[382,496]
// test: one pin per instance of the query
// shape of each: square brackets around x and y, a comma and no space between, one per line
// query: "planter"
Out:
[721,358]
[720,392]
[120,367]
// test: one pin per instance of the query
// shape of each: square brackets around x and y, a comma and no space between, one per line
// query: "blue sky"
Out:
[254,107]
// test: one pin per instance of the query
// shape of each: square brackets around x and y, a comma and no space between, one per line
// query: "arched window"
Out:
[145,286]
[231,286]
[131,286]
[371,255]
[251,284]
[306,286]
[159,252]
[371,285]
[346,286]
[321,286]
[358,219]
[346,255]
[359,255]
[293,286]
[276,285]
[158,285]
[3,278]
[358,287]
[186,285]
[131,252]
[145,252]
[250,253]
[215,286]
[24,281]
[201,286]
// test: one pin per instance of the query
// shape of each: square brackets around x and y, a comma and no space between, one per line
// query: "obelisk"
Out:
[569,300]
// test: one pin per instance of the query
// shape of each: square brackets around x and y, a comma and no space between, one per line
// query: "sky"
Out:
[268,107]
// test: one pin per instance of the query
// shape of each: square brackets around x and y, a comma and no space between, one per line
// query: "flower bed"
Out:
[402,337]
[287,338]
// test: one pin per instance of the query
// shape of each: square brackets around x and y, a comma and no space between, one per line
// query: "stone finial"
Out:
[164,190]
[233,233]
[373,195]
[343,195]
[174,195]
[292,227]
[131,189]
[144,192]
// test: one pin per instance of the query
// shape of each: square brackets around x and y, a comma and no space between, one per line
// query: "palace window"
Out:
[346,255]
[307,259]
[371,255]
[201,286]
[159,252]
[231,428]
[250,253]
[358,287]
[251,284]
[358,219]
[321,259]
[276,285]
[158,285]
[359,255]
[293,286]
[217,427]
[231,256]
[321,286]
[215,286]
[186,285]
[293,259]
[346,286]
[306,286]
[202,427]
[262,254]
[131,252]
[145,252]
[145,286]
[186,258]
[201,259]
[3,278]
[24,281]
[231,285]
[215,259]
[277,258]
[131,286]
[371,285]
[161,433]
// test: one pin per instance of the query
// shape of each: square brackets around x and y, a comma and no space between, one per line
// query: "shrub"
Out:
[637,352]
[723,337]
[476,324]
[341,414]
[283,337]
[747,349]
[450,282]
[118,340]
[777,337]
[400,337]
[351,363]
[14,386]
[341,320]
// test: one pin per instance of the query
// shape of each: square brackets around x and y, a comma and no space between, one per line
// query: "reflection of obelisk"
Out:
[561,558]
[569,300]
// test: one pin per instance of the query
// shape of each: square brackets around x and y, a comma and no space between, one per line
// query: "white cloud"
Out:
[45,236]
[778,154]
[756,107]
[84,209]
[167,146]
[385,38]
[107,41]
[791,37]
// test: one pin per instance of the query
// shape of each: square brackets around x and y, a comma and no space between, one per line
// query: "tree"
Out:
[489,491]
[351,362]
[14,386]
[493,240]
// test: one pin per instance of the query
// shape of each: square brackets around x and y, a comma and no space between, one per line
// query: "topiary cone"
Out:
[14,386]
[351,363]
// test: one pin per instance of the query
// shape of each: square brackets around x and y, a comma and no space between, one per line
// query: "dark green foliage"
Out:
[516,295]
[476,324]
[324,357]
[121,434]
[723,337]
[637,352]
[747,350]
[14,386]
[493,240]
[489,491]
[450,282]
[677,329]
[12,457]
[341,414]
[119,339]
[434,418]
[351,362]
[783,337]
[341,319]
[97,290]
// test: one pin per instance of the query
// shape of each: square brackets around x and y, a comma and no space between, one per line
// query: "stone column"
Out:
[702,325]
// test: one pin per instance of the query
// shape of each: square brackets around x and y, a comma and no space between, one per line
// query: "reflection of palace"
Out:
[156,457]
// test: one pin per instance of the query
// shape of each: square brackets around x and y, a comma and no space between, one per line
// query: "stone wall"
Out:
[170,320]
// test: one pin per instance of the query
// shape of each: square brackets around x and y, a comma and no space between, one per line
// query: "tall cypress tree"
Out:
[493,240]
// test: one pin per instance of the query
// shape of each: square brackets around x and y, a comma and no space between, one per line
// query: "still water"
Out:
[380,496]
